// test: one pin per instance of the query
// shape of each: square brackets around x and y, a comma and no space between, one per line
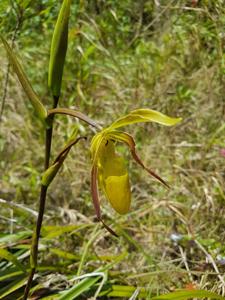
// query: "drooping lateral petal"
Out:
[94,191]
[128,139]
[144,115]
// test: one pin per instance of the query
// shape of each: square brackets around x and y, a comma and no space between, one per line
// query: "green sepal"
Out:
[50,174]
[144,115]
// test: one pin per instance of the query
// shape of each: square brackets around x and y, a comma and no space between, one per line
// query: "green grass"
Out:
[118,62]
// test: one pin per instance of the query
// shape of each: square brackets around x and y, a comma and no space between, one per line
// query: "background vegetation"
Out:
[164,55]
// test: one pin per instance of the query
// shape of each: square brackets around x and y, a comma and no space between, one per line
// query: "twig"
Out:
[184,259]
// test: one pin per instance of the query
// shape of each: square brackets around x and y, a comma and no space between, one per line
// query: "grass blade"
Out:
[188,294]
[4,254]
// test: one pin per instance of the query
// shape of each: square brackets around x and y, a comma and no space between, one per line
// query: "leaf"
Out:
[124,291]
[64,254]
[4,254]
[187,294]
[10,273]
[144,115]
[80,288]
[9,239]
[73,113]
[128,139]
[89,280]
[37,104]
[114,178]
[12,287]
[59,49]
[53,231]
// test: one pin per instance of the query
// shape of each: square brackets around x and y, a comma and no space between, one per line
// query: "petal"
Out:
[144,115]
[94,191]
[96,143]
[114,178]
[117,190]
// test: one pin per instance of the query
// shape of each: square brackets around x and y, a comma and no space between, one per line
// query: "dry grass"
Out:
[173,238]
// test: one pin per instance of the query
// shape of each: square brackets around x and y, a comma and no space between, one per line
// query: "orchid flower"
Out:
[109,170]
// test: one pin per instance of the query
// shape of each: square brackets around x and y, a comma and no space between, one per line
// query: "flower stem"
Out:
[36,235]
[48,137]
[42,200]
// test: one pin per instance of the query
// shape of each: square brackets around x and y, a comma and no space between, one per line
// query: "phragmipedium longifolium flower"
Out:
[109,171]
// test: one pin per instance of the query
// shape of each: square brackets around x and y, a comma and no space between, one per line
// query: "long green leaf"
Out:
[79,288]
[4,254]
[9,239]
[58,49]
[122,291]
[37,104]
[51,232]
[85,284]
[189,294]
[12,287]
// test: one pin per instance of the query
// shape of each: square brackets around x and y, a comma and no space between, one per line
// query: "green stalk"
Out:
[42,201]
[36,235]
[48,138]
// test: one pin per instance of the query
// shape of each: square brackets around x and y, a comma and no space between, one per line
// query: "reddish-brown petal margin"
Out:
[128,139]
[95,198]
[138,160]
[67,148]
[94,191]
[109,229]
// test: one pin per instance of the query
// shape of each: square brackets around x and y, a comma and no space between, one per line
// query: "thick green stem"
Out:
[48,138]
[42,200]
